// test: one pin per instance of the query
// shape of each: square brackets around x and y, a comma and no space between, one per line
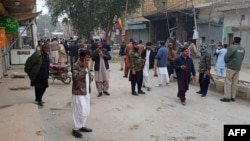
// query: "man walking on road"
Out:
[184,66]
[233,59]
[81,93]
[37,68]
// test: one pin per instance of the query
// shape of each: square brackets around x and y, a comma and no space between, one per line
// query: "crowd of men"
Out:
[137,60]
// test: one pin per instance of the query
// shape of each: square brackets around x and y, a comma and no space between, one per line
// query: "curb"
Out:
[243,91]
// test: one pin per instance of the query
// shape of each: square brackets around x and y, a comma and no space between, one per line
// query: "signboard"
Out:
[22,31]
[10,24]
[2,38]
[136,26]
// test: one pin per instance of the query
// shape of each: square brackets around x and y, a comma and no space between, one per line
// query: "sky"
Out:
[40,4]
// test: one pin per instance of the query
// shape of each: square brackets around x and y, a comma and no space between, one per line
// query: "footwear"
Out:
[39,103]
[91,70]
[157,85]
[100,94]
[143,86]
[225,100]
[203,95]
[168,84]
[135,94]
[183,103]
[121,69]
[155,75]
[107,93]
[232,99]
[76,134]
[85,129]
[199,92]
[141,92]
[148,89]
[125,76]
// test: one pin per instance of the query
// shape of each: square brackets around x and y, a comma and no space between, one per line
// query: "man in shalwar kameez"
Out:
[101,57]
[162,72]
[184,66]
[81,93]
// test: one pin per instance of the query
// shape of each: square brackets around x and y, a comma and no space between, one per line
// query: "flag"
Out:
[119,23]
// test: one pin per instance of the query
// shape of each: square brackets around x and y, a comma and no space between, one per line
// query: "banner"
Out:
[10,24]
[2,38]
[119,23]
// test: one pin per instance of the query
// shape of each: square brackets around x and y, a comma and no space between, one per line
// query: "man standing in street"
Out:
[66,47]
[37,68]
[204,70]
[122,55]
[184,66]
[158,46]
[54,51]
[101,67]
[171,58]
[135,75]
[220,63]
[81,93]
[148,57]
[141,46]
[129,46]
[162,72]
[73,52]
[213,48]
[106,45]
[233,59]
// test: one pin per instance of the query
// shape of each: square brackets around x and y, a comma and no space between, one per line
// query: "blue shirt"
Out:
[220,60]
[162,57]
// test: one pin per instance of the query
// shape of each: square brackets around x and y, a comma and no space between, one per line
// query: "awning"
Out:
[2,9]
[18,6]
[137,20]
[22,17]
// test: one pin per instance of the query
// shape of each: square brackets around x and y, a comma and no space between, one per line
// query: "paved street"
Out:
[155,116]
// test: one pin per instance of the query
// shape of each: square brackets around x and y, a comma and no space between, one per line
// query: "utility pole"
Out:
[195,21]
[125,19]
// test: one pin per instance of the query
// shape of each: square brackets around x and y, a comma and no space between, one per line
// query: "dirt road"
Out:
[155,116]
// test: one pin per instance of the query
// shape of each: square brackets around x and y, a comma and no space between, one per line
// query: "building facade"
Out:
[237,23]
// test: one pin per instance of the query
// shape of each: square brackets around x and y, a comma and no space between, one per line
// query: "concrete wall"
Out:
[214,15]
[214,32]
[152,6]
[235,24]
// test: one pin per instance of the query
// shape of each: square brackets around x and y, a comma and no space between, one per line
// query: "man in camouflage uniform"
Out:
[136,65]
[204,70]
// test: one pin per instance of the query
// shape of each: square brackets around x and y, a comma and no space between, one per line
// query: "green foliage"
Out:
[86,15]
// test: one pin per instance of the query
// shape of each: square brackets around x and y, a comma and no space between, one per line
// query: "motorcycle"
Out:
[60,72]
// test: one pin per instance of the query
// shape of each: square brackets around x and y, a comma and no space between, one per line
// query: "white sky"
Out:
[40,5]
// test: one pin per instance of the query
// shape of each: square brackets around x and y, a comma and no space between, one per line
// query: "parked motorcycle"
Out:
[60,72]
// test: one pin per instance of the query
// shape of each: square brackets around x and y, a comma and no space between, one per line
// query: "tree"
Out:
[86,15]
[44,25]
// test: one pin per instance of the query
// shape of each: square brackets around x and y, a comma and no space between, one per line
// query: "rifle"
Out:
[209,75]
